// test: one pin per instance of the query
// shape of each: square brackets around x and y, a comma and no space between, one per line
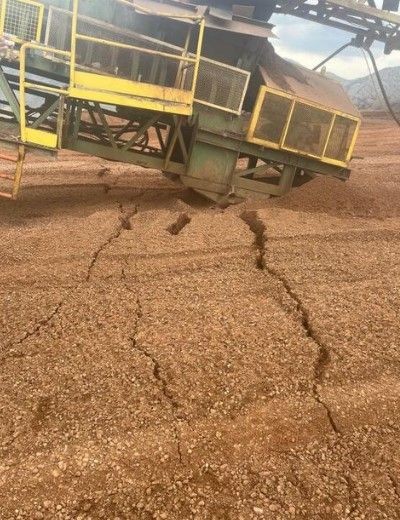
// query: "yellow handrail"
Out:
[24,84]
[71,55]
[181,58]
[198,54]
[45,88]
[134,48]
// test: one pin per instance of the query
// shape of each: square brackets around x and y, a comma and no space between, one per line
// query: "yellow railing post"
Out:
[75,10]
[287,124]
[22,81]
[24,84]
[3,15]
[198,55]
[179,80]
[328,137]
[40,22]
[354,141]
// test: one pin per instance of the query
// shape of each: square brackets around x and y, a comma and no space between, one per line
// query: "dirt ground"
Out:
[164,359]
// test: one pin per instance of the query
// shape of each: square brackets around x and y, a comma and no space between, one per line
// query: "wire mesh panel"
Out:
[274,114]
[219,85]
[128,64]
[282,121]
[341,138]
[22,19]
[308,129]
[109,59]
[58,29]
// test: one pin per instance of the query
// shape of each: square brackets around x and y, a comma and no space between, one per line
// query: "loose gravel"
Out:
[161,358]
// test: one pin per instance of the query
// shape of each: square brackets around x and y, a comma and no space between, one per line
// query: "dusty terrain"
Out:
[164,359]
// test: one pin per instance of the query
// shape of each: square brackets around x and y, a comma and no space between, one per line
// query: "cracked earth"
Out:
[161,358]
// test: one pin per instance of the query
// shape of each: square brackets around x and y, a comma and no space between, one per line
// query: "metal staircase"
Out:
[15,179]
[94,65]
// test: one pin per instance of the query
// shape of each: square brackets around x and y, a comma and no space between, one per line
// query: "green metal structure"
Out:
[195,91]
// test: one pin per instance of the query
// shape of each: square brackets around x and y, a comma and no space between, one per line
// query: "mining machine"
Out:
[196,91]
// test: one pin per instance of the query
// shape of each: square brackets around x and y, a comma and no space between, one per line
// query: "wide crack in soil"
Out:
[322,361]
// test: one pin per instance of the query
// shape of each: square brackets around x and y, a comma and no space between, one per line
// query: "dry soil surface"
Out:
[164,359]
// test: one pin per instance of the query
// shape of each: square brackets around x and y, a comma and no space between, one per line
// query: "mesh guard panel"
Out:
[280,120]
[22,20]
[98,57]
[341,138]
[273,116]
[58,29]
[220,85]
[308,129]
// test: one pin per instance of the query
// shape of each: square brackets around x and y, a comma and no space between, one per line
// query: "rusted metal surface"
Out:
[367,22]
[215,18]
[240,25]
[180,10]
[304,83]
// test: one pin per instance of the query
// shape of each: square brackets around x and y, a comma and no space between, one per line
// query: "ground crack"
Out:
[41,324]
[395,485]
[181,222]
[353,495]
[322,361]
[123,224]
[157,373]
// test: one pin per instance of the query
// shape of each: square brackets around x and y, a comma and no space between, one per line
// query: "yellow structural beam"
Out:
[110,98]
[108,85]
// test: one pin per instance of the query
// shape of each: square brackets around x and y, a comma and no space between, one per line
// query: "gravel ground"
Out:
[164,359]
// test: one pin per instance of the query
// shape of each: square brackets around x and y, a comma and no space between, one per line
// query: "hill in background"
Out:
[365,92]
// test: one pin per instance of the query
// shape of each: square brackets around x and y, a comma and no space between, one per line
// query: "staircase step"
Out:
[15,178]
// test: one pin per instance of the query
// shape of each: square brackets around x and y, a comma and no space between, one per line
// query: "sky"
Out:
[309,43]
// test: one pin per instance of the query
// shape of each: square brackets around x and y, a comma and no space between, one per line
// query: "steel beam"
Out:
[364,20]
[106,152]
[9,95]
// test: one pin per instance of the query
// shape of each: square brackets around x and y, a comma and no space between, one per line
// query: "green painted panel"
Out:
[212,164]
